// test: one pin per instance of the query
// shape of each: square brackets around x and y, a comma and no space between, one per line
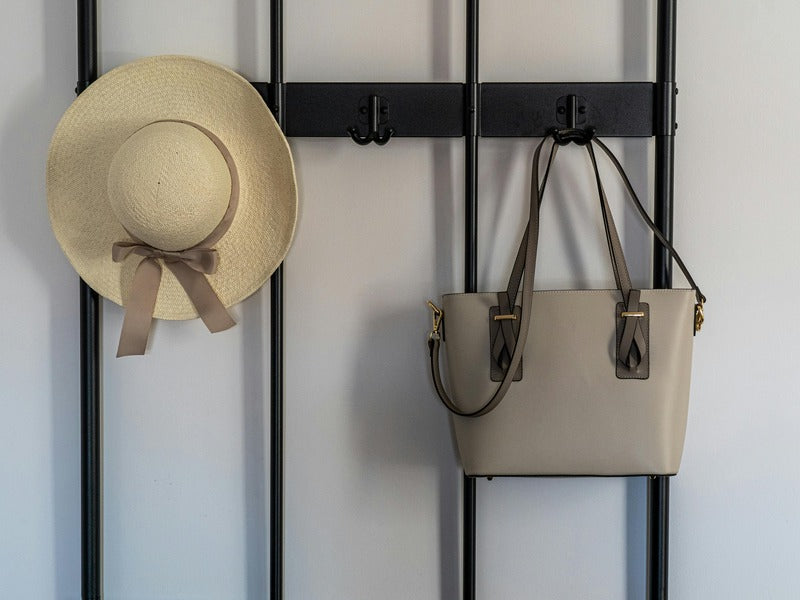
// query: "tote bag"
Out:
[569,382]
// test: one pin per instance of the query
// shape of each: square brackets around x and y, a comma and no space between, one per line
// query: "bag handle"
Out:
[621,274]
[506,337]
[618,263]
[528,267]
[701,299]
[524,269]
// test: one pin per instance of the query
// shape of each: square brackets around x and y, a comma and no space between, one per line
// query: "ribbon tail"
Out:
[139,309]
[202,295]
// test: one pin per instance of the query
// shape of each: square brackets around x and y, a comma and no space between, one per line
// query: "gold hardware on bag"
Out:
[699,315]
[628,313]
[438,314]
[505,317]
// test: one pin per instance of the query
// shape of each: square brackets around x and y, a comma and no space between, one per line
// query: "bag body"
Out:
[569,382]
[570,414]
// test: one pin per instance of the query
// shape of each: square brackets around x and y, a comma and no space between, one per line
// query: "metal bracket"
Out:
[571,110]
[665,100]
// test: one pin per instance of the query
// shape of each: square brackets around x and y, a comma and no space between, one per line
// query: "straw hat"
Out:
[172,161]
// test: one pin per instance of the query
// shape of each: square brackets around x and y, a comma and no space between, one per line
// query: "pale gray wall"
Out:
[372,481]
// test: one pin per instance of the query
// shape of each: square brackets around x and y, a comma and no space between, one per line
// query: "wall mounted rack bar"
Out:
[377,112]
[624,109]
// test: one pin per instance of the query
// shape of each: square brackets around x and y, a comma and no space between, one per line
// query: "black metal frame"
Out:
[91,402]
[471,110]
[658,486]
[472,123]
[277,105]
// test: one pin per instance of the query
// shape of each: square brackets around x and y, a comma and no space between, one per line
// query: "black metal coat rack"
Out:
[376,112]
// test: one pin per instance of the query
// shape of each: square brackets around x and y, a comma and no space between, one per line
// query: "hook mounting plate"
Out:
[571,110]
[363,110]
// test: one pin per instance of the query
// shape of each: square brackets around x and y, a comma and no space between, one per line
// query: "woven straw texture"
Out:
[180,88]
[169,185]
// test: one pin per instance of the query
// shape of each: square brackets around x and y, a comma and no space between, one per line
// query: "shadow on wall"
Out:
[396,416]
[637,50]
[255,411]
[34,110]
[398,421]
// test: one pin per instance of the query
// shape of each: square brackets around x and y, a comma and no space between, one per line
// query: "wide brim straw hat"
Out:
[92,190]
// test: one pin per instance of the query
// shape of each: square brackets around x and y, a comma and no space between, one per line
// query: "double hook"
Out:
[375,112]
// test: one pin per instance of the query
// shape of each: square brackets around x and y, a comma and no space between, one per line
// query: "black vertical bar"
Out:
[472,106]
[276,338]
[657,537]
[658,486]
[665,148]
[91,408]
[469,537]
[276,62]
[91,447]
[87,43]
[276,435]
[472,116]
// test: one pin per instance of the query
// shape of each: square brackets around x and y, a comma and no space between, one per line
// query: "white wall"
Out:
[372,481]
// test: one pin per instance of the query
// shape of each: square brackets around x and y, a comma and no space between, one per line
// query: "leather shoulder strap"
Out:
[525,266]
[532,236]
[649,222]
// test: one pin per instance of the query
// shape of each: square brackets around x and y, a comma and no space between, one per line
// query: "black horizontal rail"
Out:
[624,109]
[531,109]
[330,109]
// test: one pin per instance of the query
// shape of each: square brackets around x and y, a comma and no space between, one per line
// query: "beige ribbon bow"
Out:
[189,267]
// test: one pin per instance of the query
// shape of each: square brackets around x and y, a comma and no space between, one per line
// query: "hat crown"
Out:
[169,185]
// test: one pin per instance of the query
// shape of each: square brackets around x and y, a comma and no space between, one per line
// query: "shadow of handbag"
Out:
[569,382]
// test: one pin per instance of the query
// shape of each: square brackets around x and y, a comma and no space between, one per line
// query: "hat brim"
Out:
[180,88]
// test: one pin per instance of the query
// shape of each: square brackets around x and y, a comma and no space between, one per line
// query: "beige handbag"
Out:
[570,382]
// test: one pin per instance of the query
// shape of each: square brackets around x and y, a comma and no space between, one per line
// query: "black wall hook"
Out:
[377,110]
